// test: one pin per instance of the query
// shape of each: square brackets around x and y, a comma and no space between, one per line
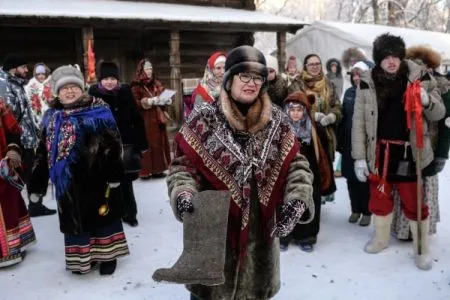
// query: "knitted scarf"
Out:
[65,130]
[318,86]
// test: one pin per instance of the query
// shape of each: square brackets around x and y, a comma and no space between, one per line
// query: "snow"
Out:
[338,269]
[110,9]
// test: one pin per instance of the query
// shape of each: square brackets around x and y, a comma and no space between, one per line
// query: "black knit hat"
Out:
[387,44]
[12,61]
[108,69]
[244,59]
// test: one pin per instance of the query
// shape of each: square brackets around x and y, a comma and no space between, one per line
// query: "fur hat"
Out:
[424,55]
[352,55]
[66,75]
[292,62]
[272,63]
[13,60]
[300,97]
[244,59]
[388,44]
[108,69]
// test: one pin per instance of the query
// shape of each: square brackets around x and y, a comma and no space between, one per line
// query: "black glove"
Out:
[184,203]
[291,213]
[439,164]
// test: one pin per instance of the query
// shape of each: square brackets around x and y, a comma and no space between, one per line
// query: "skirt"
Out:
[104,244]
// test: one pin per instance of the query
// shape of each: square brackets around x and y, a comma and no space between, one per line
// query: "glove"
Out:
[113,185]
[424,97]
[291,213]
[14,158]
[162,101]
[328,120]
[147,103]
[318,116]
[439,163]
[184,203]
[447,122]
[361,170]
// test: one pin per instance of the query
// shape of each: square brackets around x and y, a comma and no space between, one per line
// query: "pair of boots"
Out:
[106,267]
[365,219]
[204,242]
[382,234]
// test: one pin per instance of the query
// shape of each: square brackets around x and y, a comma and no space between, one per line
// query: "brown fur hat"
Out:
[300,97]
[352,53]
[424,55]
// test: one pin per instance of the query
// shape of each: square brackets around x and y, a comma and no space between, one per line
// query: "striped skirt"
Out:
[16,230]
[104,244]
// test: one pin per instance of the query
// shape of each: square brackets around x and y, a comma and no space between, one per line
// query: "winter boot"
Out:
[365,221]
[204,239]
[108,267]
[423,261]
[354,217]
[38,209]
[381,239]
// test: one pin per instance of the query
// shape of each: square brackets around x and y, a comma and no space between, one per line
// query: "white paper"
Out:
[167,94]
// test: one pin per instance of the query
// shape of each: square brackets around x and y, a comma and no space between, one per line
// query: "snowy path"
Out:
[338,269]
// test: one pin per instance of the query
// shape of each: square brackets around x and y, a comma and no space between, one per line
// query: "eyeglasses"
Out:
[314,64]
[246,77]
[71,88]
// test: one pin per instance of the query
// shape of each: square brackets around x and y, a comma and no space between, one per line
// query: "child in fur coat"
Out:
[313,142]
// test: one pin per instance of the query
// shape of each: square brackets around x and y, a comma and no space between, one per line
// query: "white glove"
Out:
[328,120]
[447,122]
[318,116]
[361,170]
[162,101]
[424,97]
[113,185]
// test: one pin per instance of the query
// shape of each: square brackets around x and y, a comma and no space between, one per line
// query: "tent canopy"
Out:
[331,39]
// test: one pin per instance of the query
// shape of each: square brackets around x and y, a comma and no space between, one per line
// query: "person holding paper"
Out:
[152,103]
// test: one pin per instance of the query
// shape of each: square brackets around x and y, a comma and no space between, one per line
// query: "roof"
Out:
[363,35]
[92,12]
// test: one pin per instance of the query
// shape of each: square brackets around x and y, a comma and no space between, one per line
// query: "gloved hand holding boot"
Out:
[204,240]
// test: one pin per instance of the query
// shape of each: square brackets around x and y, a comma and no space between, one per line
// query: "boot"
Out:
[108,267]
[423,261]
[381,239]
[354,217]
[204,242]
[365,221]
[38,209]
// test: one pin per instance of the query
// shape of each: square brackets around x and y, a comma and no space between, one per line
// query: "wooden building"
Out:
[177,36]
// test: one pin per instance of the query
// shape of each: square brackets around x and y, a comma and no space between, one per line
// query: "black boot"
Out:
[108,267]
[130,221]
[38,209]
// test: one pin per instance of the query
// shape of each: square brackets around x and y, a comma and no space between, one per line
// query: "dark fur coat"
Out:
[277,90]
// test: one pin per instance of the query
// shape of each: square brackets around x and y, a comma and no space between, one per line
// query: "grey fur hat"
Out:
[66,75]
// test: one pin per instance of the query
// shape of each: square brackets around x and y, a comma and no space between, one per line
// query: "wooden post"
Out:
[281,50]
[87,34]
[175,76]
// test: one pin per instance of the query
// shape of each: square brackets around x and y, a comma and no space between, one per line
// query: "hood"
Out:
[339,66]
[352,53]
[424,55]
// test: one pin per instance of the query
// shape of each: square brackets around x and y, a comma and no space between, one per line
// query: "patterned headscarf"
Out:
[140,77]
[209,81]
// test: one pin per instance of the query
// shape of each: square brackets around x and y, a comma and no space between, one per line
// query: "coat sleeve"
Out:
[137,94]
[40,173]
[359,126]
[140,138]
[183,176]
[435,111]
[299,185]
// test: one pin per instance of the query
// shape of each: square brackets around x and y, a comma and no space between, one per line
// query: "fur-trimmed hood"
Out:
[339,66]
[355,53]
[424,55]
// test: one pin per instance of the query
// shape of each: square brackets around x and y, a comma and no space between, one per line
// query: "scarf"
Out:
[303,128]
[318,86]
[210,84]
[65,130]
[102,90]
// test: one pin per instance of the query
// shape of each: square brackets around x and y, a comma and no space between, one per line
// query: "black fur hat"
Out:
[108,69]
[387,44]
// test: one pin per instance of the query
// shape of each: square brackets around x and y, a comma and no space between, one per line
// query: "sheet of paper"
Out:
[167,94]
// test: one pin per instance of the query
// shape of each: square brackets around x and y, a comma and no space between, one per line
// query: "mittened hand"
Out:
[114,185]
[328,120]
[291,213]
[447,122]
[318,116]
[361,170]
[184,204]
[162,101]
[425,99]
[14,158]
[439,164]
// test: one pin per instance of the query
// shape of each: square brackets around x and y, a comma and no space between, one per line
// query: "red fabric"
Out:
[382,204]
[413,106]
[200,90]
[212,59]
[91,62]
[8,124]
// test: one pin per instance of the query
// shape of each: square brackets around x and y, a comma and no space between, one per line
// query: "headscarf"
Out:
[209,81]
[140,77]
[303,127]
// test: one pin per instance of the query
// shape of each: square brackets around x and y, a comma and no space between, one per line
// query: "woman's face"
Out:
[245,87]
[41,77]
[148,72]
[313,66]
[109,83]
[218,71]
[69,93]
[296,113]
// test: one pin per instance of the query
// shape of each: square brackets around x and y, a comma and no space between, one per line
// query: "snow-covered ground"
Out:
[337,269]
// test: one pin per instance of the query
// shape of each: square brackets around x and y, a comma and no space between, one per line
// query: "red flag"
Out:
[91,63]
[413,106]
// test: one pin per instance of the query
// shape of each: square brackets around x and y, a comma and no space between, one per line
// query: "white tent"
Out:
[331,39]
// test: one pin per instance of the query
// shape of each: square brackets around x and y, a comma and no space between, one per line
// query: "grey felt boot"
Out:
[204,239]
[423,261]
[381,239]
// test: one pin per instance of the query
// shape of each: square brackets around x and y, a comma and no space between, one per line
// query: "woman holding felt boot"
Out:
[80,150]
[243,144]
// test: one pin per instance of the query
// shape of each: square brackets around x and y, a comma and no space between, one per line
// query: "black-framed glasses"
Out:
[314,64]
[246,77]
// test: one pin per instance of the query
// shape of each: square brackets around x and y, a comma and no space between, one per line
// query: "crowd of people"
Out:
[268,137]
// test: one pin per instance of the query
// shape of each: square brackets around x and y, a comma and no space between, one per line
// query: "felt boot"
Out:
[204,239]
[423,261]
[381,239]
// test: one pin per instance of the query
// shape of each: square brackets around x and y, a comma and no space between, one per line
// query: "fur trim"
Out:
[386,45]
[257,117]
[300,97]
[350,53]
[424,55]
[336,61]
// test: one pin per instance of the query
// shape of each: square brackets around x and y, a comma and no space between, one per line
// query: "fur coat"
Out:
[277,90]
[256,158]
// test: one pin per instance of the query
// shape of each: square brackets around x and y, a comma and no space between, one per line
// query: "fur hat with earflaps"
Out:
[424,55]
[386,45]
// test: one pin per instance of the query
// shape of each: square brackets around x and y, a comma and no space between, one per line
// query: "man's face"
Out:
[390,64]
[21,71]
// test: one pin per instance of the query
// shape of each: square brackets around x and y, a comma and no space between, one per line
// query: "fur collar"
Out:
[257,117]
[424,55]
